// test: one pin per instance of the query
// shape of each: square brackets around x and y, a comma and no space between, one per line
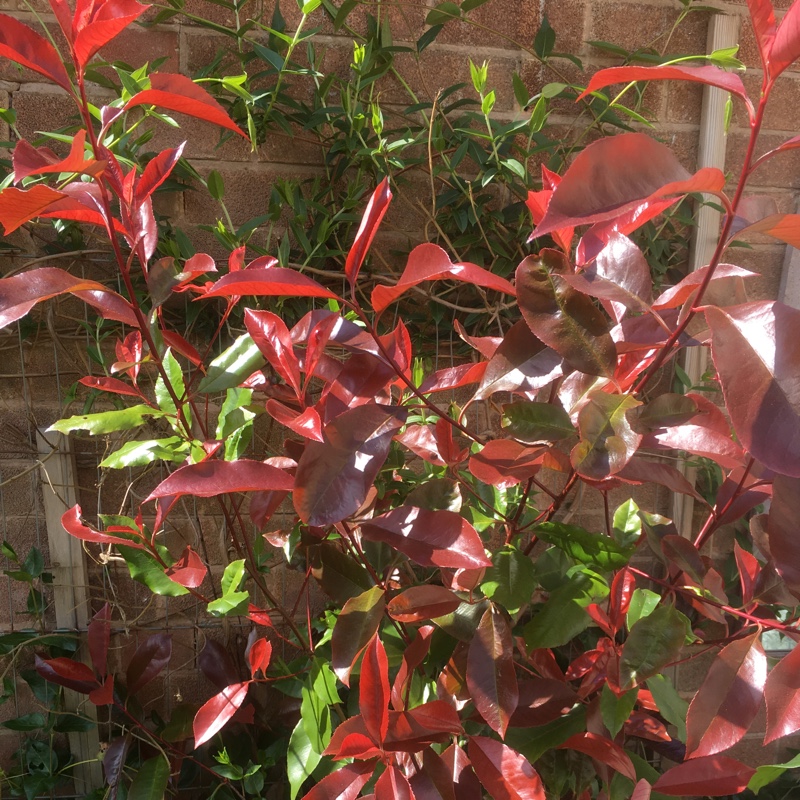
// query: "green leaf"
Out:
[616,710]
[551,90]
[533,743]
[137,454]
[8,551]
[232,366]
[301,759]
[487,103]
[530,423]
[34,562]
[27,722]
[145,569]
[670,704]
[653,642]
[316,718]
[73,723]
[592,549]
[767,773]
[107,421]
[511,580]
[233,575]
[215,185]
[150,782]
[520,90]
[627,524]
[643,603]
[443,12]
[232,600]
[235,423]
[545,39]
[164,397]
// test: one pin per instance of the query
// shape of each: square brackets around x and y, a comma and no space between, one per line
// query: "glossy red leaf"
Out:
[453,377]
[150,658]
[748,568]
[619,599]
[504,773]
[178,93]
[393,785]
[351,740]
[785,227]
[107,20]
[563,318]
[640,471]
[18,206]
[26,47]
[642,790]
[433,781]
[603,750]
[521,362]
[708,75]
[71,520]
[305,423]
[422,602]
[726,704]
[213,715]
[68,673]
[785,48]
[99,634]
[430,538]
[467,785]
[189,570]
[615,175]
[756,350]
[272,282]
[104,695]
[715,776]
[259,656]
[421,441]
[376,208]
[428,262]
[344,784]
[211,478]
[782,694]
[699,441]
[413,656]
[677,295]
[784,513]
[410,731]
[506,462]
[113,385]
[158,169]
[334,476]
[491,677]
[356,625]
[542,700]
[762,17]
[272,338]
[29,160]
[374,689]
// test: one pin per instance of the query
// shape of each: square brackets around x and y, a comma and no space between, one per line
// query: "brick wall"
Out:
[29,395]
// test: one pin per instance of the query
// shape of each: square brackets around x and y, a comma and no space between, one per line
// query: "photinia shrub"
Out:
[478,644]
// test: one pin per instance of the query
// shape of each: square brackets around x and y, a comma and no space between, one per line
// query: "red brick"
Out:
[781,171]
[40,111]
[684,102]
[135,46]
[494,23]
[767,261]
[568,19]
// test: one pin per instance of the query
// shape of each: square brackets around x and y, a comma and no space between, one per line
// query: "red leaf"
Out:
[107,20]
[756,350]
[640,471]
[715,776]
[259,616]
[728,701]
[334,476]
[26,47]
[783,697]
[376,208]
[677,295]
[71,520]
[306,423]
[351,740]
[620,597]
[29,160]
[786,45]
[615,175]
[453,377]
[602,750]
[433,781]
[422,602]
[20,293]
[410,731]
[393,785]
[430,538]
[762,16]
[491,678]
[505,462]
[271,282]
[18,206]
[785,227]
[428,262]
[700,441]
[99,634]
[505,774]
[158,169]
[641,791]
[272,338]
[179,93]
[213,715]
[413,656]
[259,655]
[344,784]
[542,700]
[467,786]
[374,690]
[708,75]
[148,661]
[782,530]
[68,673]
[113,385]
[356,625]
[189,570]
[104,696]
[211,478]
[748,568]
[421,441]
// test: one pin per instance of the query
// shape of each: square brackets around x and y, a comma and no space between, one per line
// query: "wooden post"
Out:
[723,31]
[69,590]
